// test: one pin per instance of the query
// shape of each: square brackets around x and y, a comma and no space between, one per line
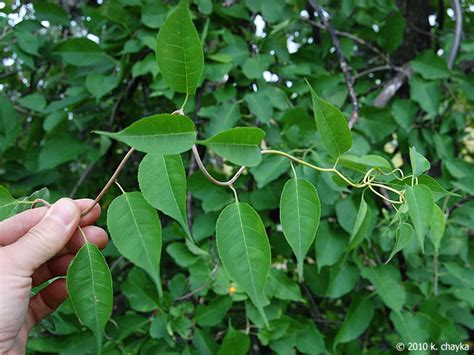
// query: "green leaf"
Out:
[271,168]
[404,235]
[279,285]
[234,343]
[213,313]
[136,231]
[419,164]
[181,255]
[154,14]
[100,85]
[160,134]
[329,245]
[361,164]
[162,181]
[309,339]
[139,290]
[332,125]
[254,67]
[410,327]
[430,66]
[10,127]
[238,145]
[388,285]
[259,105]
[427,94]
[300,210]
[81,52]
[437,227]
[28,42]
[35,102]
[7,203]
[420,209]
[179,51]
[50,156]
[89,284]
[244,249]
[362,225]
[357,320]
[53,13]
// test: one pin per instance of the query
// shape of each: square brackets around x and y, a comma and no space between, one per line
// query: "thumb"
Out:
[47,238]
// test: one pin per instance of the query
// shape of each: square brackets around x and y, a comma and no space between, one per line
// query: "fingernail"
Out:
[64,211]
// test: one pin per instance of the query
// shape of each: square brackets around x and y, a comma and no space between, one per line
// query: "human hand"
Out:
[36,246]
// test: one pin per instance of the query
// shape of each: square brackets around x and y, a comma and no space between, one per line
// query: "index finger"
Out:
[15,227]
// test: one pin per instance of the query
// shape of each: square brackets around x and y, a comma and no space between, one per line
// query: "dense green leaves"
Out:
[362,224]
[332,126]
[300,210]
[179,51]
[437,227]
[7,203]
[387,282]
[162,134]
[238,145]
[163,183]
[420,208]
[244,250]
[357,320]
[89,284]
[403,237]
[235,342]
[419,164]
[69,69]
[9,125]
[136,231]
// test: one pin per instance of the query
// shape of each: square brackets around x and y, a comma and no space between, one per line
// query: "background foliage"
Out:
[71,67]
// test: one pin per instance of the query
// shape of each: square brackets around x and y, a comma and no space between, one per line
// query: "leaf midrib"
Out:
[173,192]
[140,234]
[241,224]
[94,294]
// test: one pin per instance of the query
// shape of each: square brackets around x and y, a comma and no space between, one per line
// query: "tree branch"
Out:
[355,39]
[342,62]
[457,34]
[392,86]
[377,69]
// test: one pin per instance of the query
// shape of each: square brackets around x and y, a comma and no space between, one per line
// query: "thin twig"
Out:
[342,62]
[9,73]
[377,69]
[110,182]
[82,178]
[209,176]
[457,33]
[354,38]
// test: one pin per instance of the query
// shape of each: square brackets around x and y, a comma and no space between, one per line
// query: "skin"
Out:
[35,246]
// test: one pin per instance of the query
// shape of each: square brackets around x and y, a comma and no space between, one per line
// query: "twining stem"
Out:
[367,180]
[209,176]
[110,182]
[309,165]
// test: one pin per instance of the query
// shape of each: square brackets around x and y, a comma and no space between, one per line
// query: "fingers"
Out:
[94,234]
[59,265]
[52,268]
[46,238]
[45,302]
[15,227]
